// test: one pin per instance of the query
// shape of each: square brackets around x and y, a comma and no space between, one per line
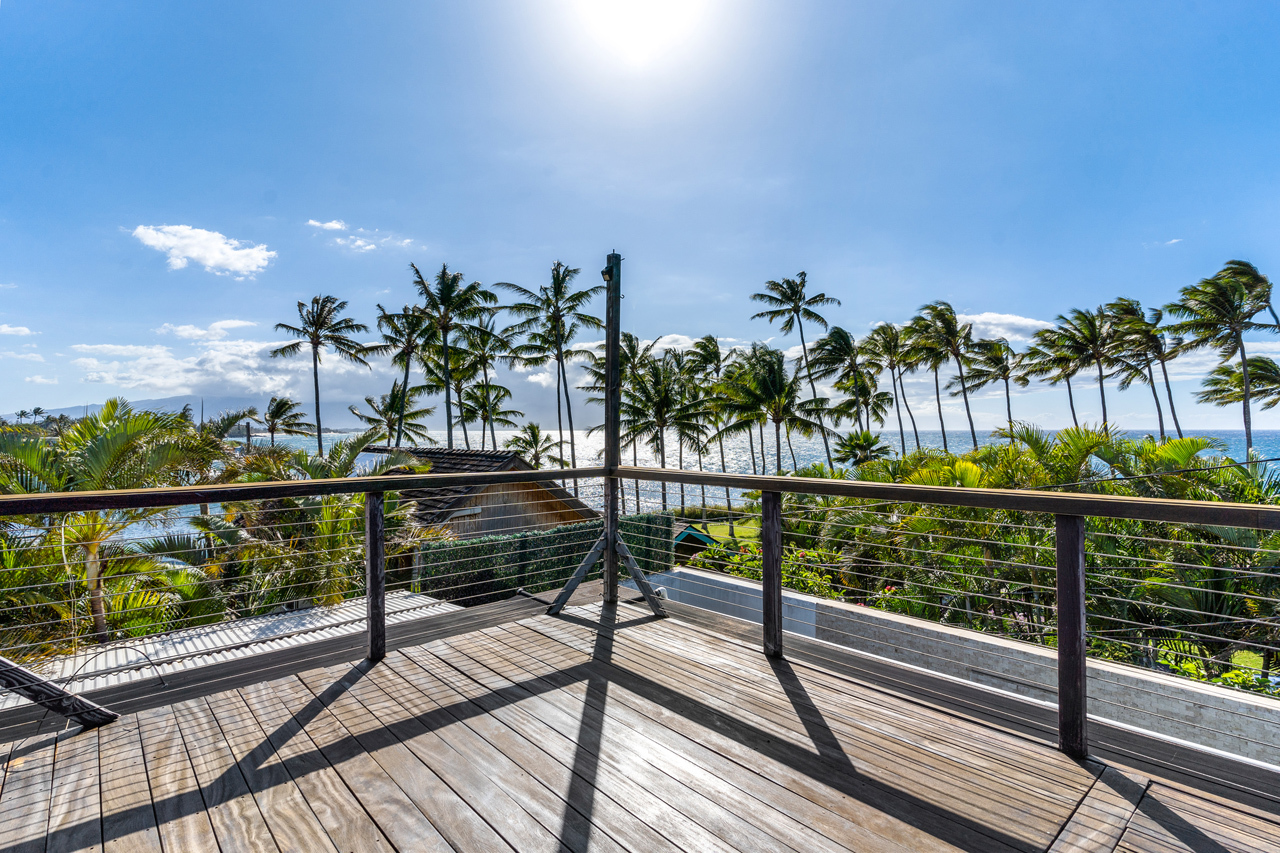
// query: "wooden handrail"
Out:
[1221,513]
[39,504]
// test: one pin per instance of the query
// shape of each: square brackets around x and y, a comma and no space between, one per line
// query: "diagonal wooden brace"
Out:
[29,685]
[565,594]
[642,582]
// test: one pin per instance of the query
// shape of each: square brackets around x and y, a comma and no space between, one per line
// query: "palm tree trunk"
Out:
[1155,395]
[764,450]
[680,463]
[795,466]
[1168,389]
[897,407]
[559,416]
[568,411]
[728,499]
[704,487]
[404,399]
[93,578]
[1008,407]
[777,446]
[942,424]
[635,463]
[906,404]
[315,376]
[462,420]
[751,443]
[1071,401]
[857,383]
[1248,416]
[813,389]
[964,392]
[448,389]
[1102,392]
[662,463]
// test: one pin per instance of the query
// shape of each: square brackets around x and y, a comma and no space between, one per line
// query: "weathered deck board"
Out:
[589,732]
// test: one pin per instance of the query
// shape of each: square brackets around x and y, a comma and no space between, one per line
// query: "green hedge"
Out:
[489,568]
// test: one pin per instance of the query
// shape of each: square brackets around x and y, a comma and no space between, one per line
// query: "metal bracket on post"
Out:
[1073,712]
[33,687]
[375,574]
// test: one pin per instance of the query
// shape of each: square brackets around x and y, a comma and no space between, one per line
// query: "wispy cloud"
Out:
[6,329]
[1174,240]
[331,225]
[23,356]
[215,331]
[359,244]
[37,379]
[215,252]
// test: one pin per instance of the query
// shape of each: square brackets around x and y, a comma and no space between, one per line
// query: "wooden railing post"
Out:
[375,574]
[1072,671]
[771,572]
[612,274]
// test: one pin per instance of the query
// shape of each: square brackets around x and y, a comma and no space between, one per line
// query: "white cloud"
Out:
[331,225]
[215,332]
[9,286]
[23,356]
[1174,240]
[359,244]
[989,324]
[40,380]
[215,252]
[6,329]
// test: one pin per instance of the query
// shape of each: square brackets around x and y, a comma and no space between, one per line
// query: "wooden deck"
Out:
[590,731]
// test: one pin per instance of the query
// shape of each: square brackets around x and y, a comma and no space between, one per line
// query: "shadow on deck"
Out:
[602,729]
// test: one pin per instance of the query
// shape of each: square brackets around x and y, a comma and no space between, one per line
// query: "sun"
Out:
[641,32]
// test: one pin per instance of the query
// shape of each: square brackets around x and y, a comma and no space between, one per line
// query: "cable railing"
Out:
[1105,595]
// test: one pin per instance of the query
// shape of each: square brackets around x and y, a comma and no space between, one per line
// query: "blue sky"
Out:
[1015,159]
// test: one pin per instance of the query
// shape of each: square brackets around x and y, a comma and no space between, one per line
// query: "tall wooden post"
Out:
[1072,670]
[375,574]
[612,274]
[771,574]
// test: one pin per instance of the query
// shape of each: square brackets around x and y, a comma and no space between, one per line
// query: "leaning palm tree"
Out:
[653,405]
[789,304]
[554,316]
[838,356]
[938,324]
[1049,359]
[927,351]
[765,390]
[887,344]
[1216,313]
[282,416]
[450,305]
[534,445]
[404,336]
[322,326]
[1224,386]
[1138,345]
[397,413]
[632,354]
[994,361]
[114,448]
[1087,339]
[486,401]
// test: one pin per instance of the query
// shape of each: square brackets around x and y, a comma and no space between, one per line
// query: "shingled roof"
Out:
[436,505]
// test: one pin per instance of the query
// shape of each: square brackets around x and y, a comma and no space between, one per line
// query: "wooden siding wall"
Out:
[512,507]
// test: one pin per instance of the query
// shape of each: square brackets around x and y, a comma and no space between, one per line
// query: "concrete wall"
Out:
[1207,715]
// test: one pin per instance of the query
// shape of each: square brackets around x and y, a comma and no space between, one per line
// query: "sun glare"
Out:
[641,32]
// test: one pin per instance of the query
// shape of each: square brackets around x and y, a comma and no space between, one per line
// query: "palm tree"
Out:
[37,413]
[114,448]
[886,343]
[788,303]
[938,324]
[534,445]
[405,335]
[1138,344]
[463,371]
[652,405]
[995,361]
[554,316]
[395,414]
[1257,283]
[765,390]
[861,447]
[322,326]
[488,346]
[837,355]
[1216,313]
[282,416]
[485,401]
[1048,358]
[22,415]
[1224,386]
[711,361]
[632,354]
[690,431]
[926,350]
[1087,338]
[450,305]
